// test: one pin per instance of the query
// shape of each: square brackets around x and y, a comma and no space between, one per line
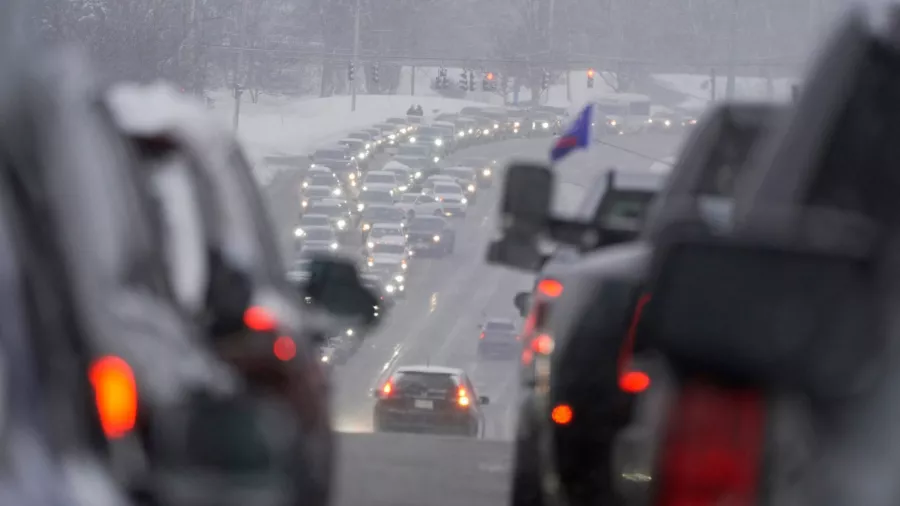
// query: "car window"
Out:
[446,188]
[426,199]
[426,223]
[329,153]
[385,232]
[423,380]
[322,234]
[380,178]
[409,198]
[318,192]
[326,210]
[312,221]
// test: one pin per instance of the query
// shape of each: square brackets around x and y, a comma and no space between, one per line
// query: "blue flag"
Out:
[577,136]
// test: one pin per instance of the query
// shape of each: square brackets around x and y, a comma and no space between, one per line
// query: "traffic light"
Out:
[375,72]
[464,81]
[590,74]
[545,80]
[350,71]
[471,81]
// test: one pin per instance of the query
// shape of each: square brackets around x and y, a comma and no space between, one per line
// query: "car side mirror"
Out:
[484,400]
[522,301]
[525,214]
[335,286]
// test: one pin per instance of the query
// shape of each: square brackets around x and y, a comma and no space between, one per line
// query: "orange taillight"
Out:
[259,319]
[550,288]
[634,382]
[284,348]
[387,389]
[562,414]
[542,344]
[115,393]
[462,397]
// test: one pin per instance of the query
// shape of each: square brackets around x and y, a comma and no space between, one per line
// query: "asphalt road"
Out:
[437,324]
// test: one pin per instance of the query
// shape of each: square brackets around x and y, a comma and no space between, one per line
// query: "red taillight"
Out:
[562,414]
[259,319]
[550,288]
[387,389]
[481,336]
[714,447]
[285,348]
[462,397]
[115,393]
[632,381]
[542,344]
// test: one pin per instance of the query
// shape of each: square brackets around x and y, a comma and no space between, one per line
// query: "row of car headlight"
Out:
[391,288]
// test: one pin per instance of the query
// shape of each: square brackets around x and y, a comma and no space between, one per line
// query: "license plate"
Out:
[424,404]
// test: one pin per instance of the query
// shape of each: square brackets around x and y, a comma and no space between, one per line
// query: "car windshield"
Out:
[330,154]
[313,221]
[446,188]
[321,180]
[319,234]
[386,232]
[392,249]
[318,192]
[376,196]
[383,213]
[460,173]
[499,326]
[380,178]
[412,150]
[409,197]
[426,224]
[328,210]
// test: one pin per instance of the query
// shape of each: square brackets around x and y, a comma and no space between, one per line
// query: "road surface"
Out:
[437,324]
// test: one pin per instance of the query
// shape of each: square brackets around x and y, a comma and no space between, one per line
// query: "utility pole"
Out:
[732,51]
[412,80]
[550,37]
[355,56]
[238,88]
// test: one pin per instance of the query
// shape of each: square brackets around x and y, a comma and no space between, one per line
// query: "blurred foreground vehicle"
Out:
[795,378]
[576,396]
[259,427]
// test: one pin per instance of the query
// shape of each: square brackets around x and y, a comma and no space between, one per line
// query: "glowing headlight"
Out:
[404,188]
[365,188]
[496,126]
[402,130]
[392,136]
[349,332]
[471,187]
[324,358]
[305,203]
[471,131]
[336,192]
[516,124]
[515,130]
[402,266]
[368,146]
[437,238]
[362,155]
[370,244]
[487,132]
[418,174]
[650,120]
[333,245]
[298,232]
[464,200]
[366,226]
[398,279]
[545,124]
[360,207]
[306,184]
[412,140]
[437,159]
[667,123]
[389,288]
[342,223]
[486,172]
[352,176]
[370,262]
[438,142]
[461,134]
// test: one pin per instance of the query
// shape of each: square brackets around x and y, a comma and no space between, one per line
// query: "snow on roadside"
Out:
[287,126]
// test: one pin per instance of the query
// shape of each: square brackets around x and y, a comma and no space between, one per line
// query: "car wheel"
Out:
[450,246]
[411,214]
[438,212]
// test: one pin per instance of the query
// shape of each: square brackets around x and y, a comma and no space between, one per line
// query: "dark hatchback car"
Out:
[431,235]
[429,399]
[499,338]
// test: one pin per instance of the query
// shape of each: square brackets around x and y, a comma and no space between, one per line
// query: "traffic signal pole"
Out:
[355,56]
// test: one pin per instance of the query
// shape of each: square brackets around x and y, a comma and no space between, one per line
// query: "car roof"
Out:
[440,177]
[379,205]
[320,227]
[317,187]
[434,369]
[460,167]
[314,215]
[379,173]
[376,190]
[319,168]
[329,203]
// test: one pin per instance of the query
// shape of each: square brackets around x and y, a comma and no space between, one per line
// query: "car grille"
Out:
[451,201]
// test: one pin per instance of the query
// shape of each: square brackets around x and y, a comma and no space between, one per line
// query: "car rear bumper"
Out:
[414,421]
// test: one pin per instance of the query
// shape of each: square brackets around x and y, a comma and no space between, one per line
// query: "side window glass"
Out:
[425,199]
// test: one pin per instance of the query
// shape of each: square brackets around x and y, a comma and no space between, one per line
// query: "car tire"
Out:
[411,214]
[438,213]
[526,481]
[450,247]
